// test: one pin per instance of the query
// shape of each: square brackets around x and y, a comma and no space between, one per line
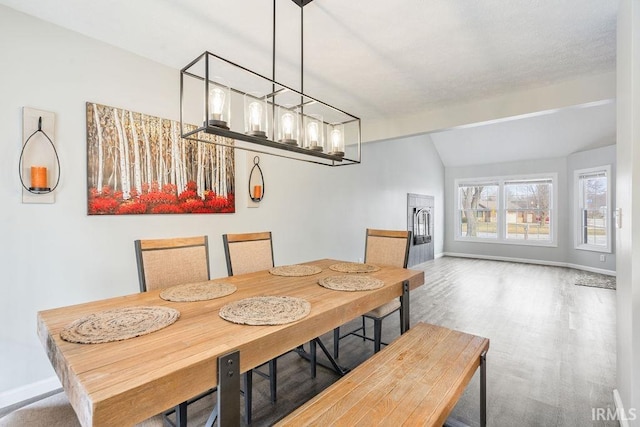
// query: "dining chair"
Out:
[174,261]
[382,247]
[247,253]
[168,262]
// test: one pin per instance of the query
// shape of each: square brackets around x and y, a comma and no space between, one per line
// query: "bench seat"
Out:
[416,380]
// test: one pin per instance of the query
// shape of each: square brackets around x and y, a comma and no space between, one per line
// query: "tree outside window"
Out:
[515,210]
[593,209]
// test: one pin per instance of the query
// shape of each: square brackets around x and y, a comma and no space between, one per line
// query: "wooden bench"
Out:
[416,380]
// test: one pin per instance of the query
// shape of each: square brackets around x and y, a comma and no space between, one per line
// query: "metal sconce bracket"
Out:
[40,158]
[255,183]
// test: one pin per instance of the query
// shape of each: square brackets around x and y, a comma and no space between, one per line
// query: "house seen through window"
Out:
[507,210]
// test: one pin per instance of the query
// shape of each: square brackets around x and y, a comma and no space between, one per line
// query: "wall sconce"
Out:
[256,183]
[38,158]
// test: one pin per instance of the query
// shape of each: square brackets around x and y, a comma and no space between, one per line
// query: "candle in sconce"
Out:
[257,191]
[38,177]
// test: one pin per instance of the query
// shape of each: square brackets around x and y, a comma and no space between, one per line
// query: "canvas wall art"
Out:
[139,164]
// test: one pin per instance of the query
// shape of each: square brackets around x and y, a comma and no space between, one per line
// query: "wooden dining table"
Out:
[125,382]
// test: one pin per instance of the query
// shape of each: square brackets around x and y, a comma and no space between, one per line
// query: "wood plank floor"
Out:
[552,355]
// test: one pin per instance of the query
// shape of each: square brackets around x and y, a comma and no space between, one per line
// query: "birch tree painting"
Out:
[139,164]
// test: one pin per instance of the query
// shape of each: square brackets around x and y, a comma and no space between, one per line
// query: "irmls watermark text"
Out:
[613,414]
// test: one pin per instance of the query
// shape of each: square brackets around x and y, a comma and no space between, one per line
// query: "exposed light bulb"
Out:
[312,129]
[336,139]
[216,99]
[255,115]
[287,125]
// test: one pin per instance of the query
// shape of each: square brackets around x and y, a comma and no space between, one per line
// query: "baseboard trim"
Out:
[29,391]
[617,400]
[531,261]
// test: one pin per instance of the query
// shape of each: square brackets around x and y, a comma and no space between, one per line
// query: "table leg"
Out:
[229,390]
[181,415]
[483,389]
[334,365]
[404,308]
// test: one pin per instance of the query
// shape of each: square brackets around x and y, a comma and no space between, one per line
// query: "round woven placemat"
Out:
[271,310]
[351,283]
[295,270]
[119,324]
[200,291]
[354,267]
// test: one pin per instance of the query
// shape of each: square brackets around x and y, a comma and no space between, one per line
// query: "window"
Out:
[527,206]
[516,210]
[593,209]
[477,206]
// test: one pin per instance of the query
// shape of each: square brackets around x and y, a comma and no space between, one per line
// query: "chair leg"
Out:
[336,341]
[248,386]
[377,334]
[273,378]
[364,330]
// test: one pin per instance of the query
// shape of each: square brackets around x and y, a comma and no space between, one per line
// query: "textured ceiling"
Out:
[372,58]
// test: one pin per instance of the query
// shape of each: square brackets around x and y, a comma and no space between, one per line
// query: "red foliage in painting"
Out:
[132,208]
[158,198]
[154,200]
[166,209]
[188,194]
[192,205]
[217,204]
[170,189]
[103,205]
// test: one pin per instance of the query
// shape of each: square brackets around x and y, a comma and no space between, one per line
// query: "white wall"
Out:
[628,201]
[56,255]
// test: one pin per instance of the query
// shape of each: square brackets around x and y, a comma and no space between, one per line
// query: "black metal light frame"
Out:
[197,77]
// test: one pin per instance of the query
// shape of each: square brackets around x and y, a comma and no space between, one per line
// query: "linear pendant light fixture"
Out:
[249,111]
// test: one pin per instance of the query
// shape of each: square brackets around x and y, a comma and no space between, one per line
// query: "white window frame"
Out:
[501,210]
[578,203]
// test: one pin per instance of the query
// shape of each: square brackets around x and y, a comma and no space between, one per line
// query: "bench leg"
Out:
[336,342]
[483,389]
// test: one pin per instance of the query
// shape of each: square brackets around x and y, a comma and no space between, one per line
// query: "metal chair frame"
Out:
[377,320]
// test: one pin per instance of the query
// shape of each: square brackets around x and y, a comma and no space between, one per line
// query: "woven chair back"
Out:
[387,247]
[248,252]
[169,262]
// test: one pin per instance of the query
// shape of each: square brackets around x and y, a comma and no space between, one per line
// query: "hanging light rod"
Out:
[226,104]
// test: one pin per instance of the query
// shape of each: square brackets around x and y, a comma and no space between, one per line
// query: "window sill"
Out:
[592,248]
[508,242]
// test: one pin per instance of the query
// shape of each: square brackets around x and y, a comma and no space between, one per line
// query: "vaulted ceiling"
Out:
[378,59]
